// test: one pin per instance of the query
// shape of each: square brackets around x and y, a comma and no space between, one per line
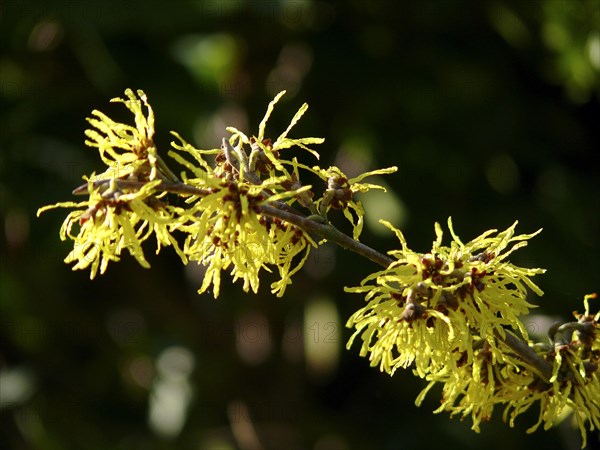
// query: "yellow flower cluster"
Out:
[575,382]
[424,308]
[574,386]
[452,314]
[225,229]
[113,220]
[448,313]
[120,214]
[473,389]
[224,192]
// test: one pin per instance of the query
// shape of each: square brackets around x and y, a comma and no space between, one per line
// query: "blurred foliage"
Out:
[490,109]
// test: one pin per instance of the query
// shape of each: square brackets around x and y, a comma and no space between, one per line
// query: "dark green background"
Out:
[451,92]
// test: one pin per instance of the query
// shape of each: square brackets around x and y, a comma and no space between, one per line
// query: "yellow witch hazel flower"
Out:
[221,212]
[227,232]
[120,216]
[424,307]
[472,389]
[128,151]
[225,226]
[575,383]
[340,193]
[475,389]
[114,220]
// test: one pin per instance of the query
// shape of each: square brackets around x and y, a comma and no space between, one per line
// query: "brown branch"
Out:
[527,354]
[174,188]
